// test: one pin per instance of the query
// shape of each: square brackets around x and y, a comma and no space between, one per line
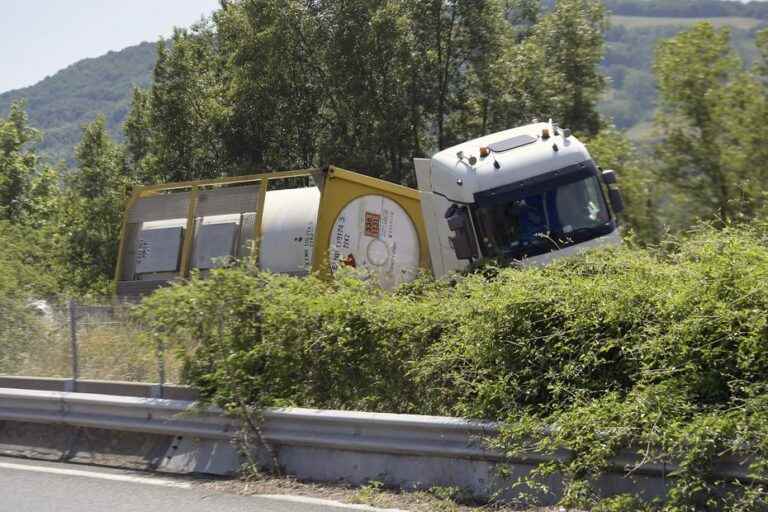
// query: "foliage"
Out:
[62,103]
[347,354]
[267,85]
[171,130]
[709,113]
[89,214]
[658,349]
[18,163]
[570,39]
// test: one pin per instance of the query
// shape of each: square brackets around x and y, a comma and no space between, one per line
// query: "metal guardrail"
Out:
[350,446]
[401,434]
[344,430]
[110,412]
[355,447]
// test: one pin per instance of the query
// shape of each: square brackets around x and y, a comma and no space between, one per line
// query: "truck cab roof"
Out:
[517,154]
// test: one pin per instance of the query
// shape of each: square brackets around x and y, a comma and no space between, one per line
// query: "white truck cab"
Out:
[526,195]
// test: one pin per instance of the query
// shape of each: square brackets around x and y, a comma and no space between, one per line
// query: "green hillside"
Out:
[60,104]
[630,101]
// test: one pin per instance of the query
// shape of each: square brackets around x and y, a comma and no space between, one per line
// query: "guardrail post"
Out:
[72,308]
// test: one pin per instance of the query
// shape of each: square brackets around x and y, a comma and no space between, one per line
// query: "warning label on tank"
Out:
[375,233]
[372,224]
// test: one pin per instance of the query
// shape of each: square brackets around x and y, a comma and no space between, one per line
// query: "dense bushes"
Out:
[663,349]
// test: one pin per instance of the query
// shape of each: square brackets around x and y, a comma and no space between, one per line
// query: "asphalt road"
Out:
[34,486]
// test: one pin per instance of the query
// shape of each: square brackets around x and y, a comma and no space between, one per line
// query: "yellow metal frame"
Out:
[195,186]
[123,228]
[149,190]
[342,187]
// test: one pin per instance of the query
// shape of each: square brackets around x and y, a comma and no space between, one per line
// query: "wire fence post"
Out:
[161,365]
[72,308]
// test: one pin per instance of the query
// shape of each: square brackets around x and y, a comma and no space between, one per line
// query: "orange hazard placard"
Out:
[372,224]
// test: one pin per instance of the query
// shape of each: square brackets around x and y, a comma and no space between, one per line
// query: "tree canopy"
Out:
[368,85]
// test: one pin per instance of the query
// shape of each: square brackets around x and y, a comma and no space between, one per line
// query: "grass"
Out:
[107,350]
[653,21]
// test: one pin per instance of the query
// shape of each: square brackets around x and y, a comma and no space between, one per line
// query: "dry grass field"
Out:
[652,21]
[112,348]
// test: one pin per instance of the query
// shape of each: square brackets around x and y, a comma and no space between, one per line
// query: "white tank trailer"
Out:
[521,196]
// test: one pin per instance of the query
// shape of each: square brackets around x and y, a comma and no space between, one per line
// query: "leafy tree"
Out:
[18,162]
[761,41]
[90,211]
[710,110]
[138,134]
[172,130]
[570,44]
[460,45]
[375,112]
[277,83]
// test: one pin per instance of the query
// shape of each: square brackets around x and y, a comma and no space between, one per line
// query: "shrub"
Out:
[663,350]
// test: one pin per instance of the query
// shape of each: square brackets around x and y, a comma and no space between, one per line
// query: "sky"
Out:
[40,37]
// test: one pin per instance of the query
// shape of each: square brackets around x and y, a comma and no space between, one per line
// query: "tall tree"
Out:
[173,131]
[554,70]
[693,71]
[18,162]
[375,116]
[91,210]
[571,36]
[277,84]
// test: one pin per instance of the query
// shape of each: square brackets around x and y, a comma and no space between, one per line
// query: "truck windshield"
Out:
[544,214]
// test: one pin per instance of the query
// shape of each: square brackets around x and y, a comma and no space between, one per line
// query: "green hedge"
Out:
[663,349]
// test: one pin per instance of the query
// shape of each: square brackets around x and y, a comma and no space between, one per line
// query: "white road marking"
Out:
[102,476]
[328,503]
[163,482]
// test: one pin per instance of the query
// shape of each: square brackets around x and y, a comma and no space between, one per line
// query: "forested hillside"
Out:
[688,8]
[630,100]
[61,104]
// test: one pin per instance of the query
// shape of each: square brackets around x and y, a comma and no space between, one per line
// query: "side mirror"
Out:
[617,201]
[463,241]
[609,177]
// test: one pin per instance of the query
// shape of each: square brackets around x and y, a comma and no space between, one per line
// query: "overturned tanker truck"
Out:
[520,196]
